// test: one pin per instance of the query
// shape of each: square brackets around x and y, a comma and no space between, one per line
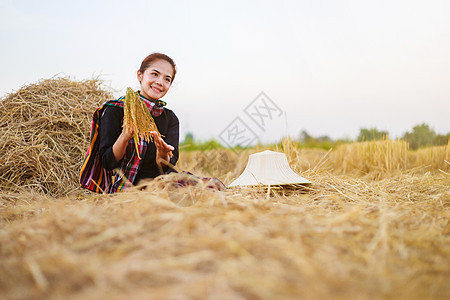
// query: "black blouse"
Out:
[111,127]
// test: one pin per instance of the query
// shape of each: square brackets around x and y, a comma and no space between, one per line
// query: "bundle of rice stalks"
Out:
[44,134]
[138,118]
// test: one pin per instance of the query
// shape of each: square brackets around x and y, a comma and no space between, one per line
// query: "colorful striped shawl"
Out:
[97,179]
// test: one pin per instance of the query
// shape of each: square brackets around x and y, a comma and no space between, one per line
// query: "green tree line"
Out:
[419,136]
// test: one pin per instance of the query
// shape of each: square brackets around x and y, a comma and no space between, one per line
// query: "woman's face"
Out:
[156,79]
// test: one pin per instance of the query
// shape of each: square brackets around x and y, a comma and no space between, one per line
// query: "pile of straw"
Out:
[44,134]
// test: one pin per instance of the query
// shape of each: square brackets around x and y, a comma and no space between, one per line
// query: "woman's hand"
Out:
[121,143]
[127,134]
[163,150]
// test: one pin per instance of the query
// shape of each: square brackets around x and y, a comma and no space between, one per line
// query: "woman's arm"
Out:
[113,140]
[121,143]
[168,143]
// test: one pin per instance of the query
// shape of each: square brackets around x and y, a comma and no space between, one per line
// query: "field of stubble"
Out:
[373,225]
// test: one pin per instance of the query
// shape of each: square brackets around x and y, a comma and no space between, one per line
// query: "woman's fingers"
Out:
[154,134]
[160,143]
[127,133]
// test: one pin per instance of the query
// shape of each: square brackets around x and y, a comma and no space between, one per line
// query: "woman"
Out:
[111,162]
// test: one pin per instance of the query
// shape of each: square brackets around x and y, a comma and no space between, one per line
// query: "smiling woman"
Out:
[115,160]
[155,75]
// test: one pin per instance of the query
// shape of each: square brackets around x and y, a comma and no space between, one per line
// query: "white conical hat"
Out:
[268,168]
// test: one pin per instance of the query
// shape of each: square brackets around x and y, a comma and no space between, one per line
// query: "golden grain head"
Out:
[137,116]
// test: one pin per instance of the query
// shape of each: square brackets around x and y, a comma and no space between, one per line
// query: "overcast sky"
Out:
[329,67]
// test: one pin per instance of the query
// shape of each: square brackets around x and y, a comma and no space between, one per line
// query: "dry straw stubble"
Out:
[345,238]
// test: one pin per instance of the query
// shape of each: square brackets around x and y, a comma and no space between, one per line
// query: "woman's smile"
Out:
[156,90]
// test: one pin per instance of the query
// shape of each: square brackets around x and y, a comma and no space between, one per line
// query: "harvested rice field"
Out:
[374,223]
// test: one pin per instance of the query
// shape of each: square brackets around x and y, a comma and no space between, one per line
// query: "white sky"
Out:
[333,66]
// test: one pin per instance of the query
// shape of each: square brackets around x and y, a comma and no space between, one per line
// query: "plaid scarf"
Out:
[97,179]
[157,106]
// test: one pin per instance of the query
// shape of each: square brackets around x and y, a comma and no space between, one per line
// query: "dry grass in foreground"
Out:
[344,238]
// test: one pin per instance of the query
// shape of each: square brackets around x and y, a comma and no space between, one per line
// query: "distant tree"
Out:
[341,141]
[325,142]
[188,138]
[304,136]
[420,136]
[188,143]
[324,139]
[442,140]
[371,134]
[209,145]
[308,141]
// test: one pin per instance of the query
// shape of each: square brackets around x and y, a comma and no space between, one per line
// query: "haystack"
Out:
[44,133]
